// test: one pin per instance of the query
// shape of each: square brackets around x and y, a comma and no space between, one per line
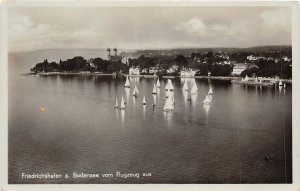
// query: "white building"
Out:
[172,69]
[134,71]
[186,73]
[238,69]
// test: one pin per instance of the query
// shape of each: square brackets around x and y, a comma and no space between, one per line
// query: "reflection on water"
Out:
[127,93]
[194,98]
[168,116]
[122,111]
[134,101]
[154,99]
[144,112]
[205,143]
[206,108]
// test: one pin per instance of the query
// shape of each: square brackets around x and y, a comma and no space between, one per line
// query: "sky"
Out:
[128,28]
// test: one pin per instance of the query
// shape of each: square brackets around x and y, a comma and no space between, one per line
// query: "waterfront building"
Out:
[134,71]
[188,72]
[238,68]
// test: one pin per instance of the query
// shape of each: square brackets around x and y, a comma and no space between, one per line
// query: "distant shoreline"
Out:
[144,76]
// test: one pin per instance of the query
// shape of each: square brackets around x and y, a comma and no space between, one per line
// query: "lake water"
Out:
[80,131]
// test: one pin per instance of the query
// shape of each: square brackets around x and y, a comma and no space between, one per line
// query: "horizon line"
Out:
[144,49]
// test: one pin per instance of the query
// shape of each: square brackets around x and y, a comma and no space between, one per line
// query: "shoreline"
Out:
[151,76]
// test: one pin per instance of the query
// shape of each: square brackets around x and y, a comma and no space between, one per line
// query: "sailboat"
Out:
[210,90]
[169,106]
[194,89]
[284,85]
[116,105]
[246,78]
[169,85]
[158,83]
[135,91]
[206,100]
[154,89]
[122,105]
[144,100]
[185,86]
[127,83]
[280,83]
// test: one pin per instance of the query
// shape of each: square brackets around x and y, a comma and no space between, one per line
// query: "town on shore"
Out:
[270,61]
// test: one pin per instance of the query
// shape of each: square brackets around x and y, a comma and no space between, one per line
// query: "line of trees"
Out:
[205,63]
[78,64]
[269,68]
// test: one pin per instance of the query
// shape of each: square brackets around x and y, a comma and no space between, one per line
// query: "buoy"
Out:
[267,157]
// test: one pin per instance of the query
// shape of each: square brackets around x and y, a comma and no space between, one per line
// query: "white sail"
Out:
[144,100]
[169,85]
[154,89]
[158,83]
[206,100]
[127,83]
[194,89]
[280,83]
[116,105]
[284,85]
[246,78]
[122,105]
[168,105]
[210,91]
[135,91]
[185,86]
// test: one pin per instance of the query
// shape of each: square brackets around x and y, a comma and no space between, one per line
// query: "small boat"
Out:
[122,105]
[185,86]
[169,105]
[154,91]
[135,91]
[280,83]
[144,100]
[210,91]
[207,100]
[169,85]
[284,85]
[116,105]
[158,83]
[194,89]
[127,83]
